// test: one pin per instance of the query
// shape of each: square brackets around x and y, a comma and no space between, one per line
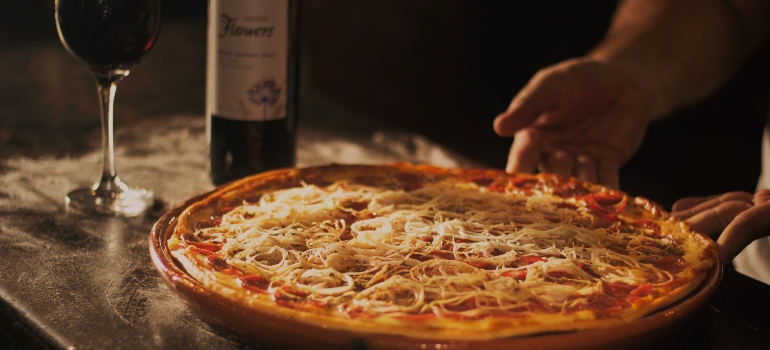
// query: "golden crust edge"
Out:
[325,321]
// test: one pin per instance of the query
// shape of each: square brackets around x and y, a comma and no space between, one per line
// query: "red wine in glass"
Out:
[110,37]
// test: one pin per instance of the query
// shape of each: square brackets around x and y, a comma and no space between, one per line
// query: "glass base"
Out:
[112,199]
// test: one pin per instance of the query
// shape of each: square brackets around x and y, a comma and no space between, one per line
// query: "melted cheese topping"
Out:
[447,248]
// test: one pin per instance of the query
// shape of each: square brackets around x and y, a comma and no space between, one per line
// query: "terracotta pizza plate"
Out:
[273,332]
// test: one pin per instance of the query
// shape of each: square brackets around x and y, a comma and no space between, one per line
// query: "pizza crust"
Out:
[697,250]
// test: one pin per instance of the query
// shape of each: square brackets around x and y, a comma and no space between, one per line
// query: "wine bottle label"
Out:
[248,59]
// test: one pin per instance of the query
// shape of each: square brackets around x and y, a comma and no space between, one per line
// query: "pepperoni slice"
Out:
[218,263]
[567,205]
[442,254]
[642,291]
[481,180]
[355,205]
[527,260]
[671,263]
[559,274]
[465,305]
[212,247]
[526,183]
[254,283]
[346,234]
[606,205]
[618,289]
[190,240]
[496,186]
[409,181]
[607,199]
[571,189]
[484,265]
[206,223]
[518,275]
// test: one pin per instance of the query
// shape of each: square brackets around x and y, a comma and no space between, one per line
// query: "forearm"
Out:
[679,51]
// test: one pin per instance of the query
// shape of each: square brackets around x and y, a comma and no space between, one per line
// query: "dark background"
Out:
[445,68]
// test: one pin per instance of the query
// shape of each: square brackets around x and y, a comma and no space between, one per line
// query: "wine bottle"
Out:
[252,86]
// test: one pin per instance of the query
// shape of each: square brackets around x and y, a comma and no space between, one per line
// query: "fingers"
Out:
[585,168]
[762,196]
[741,217]
[716,218]
[679,209]
[582,104]
[747,226]
[607,172]
[563,163]
[688,207]
[558,162]
[526,151]
[531,151]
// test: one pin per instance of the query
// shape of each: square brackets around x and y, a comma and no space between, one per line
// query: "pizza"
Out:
[434,253]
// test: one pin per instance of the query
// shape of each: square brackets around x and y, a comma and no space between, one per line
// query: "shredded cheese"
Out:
[445,248]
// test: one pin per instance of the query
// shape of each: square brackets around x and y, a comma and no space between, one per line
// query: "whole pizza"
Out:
[434,253]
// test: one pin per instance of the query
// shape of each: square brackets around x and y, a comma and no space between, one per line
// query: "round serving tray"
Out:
[282,332]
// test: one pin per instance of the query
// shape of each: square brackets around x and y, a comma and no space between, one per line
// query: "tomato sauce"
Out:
[557,274]
[617,289]
[465,305]
[570,189]
[671,263]
[206,223]
[254,283]
[482,181]
[410,182]
[220,265]
[518,275]
[652,226]
[442,254]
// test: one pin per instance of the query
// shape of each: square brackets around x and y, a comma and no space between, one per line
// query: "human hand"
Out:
[740,217]
[577,118]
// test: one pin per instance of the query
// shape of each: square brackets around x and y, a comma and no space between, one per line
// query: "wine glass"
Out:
[110,37]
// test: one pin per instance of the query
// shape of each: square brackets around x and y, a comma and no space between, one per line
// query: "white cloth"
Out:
[754,260]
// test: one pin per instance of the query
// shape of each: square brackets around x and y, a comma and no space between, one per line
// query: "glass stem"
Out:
[107,86]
